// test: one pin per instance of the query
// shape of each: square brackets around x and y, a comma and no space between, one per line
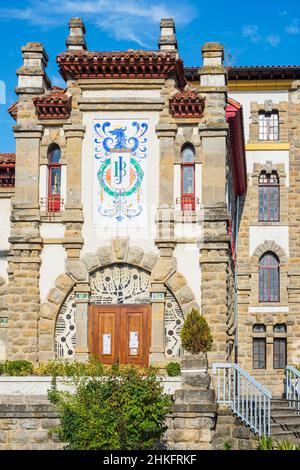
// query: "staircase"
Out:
[254,405]
[285,421]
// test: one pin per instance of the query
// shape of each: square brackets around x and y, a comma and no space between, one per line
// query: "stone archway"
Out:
[161,271]
[270,245]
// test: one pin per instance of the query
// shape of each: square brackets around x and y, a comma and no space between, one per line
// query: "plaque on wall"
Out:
[120,172]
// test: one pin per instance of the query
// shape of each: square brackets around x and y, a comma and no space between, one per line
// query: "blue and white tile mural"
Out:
[120,172]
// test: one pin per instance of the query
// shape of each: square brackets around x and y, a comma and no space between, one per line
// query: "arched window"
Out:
[268,197]
[188,178]
[269,278]
[54,178]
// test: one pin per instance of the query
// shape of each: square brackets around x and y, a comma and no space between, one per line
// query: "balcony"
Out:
[51,205]
[187,203]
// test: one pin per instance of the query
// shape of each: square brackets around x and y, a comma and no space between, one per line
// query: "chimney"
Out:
[167,40]
[76,39]
[32,75]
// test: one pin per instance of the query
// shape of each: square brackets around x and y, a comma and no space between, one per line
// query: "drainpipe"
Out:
[236,339]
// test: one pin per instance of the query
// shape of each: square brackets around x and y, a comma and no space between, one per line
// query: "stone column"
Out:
[82,292]
[73,216]
[157,349]
[165,214]
[167,40]
[76,39]
[192,422]
[215,253]
[23,299]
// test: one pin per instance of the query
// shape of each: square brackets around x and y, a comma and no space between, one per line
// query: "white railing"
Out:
[246,397]
[292,386]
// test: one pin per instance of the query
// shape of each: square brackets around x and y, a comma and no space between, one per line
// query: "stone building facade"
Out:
[143,189]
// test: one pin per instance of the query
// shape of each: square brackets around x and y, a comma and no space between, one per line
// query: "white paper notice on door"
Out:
[133,340]
[106,343]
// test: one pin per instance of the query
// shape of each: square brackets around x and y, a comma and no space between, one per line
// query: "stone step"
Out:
[285,427]
[286,436]
[194,396]
[285,406]
[285,419]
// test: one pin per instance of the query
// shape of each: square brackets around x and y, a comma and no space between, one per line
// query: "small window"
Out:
[268,197]
[259,328]
[54,178]
[259,353]
[268,125]
[279,328]
[269,278]
[188,199]
[279,353]
[188,154]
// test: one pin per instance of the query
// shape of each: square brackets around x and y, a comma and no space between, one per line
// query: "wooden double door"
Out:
[120,334]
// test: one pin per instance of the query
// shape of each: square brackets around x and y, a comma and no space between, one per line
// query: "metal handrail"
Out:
[292,386]
[245,396]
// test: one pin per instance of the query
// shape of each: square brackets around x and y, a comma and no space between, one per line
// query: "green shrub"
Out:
[126,410]
[195,334]
[227,445]
[267,443]
[18,367]
[173,369]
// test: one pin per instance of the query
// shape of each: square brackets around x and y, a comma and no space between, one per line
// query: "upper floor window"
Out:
[54,178]
[269,278]
[188,178]
[268,125]
[268,197]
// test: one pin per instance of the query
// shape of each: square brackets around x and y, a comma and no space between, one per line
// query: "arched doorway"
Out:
[112,289]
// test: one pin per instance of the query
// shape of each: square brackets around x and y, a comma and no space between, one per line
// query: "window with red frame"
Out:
[269,278]
[268,197]
[54,178]
[188,178]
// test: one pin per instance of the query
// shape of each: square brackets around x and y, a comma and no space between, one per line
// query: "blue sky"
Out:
[254,33]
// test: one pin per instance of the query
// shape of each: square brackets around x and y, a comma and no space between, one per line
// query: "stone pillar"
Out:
[165,214]
[73,216]
[192,422]
[157,349]
[76,39]
[23,299]
[215,255]
[167,40]
[81,321]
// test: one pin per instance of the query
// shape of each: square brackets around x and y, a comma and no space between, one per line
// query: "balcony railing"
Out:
[187,203]
[246,397]
[52,205]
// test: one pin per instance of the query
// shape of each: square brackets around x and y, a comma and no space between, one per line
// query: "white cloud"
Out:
[135,20]
[251,31]
[273,40]
[293,27]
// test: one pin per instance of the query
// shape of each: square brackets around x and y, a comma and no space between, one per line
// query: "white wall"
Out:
[53,264]
[188,265]
[247,97]
[263,156]
[277,233]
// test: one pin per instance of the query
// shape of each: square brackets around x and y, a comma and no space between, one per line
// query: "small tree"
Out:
[124,410]
[195,334]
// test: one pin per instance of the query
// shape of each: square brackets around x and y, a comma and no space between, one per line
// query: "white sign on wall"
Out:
[120,172]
